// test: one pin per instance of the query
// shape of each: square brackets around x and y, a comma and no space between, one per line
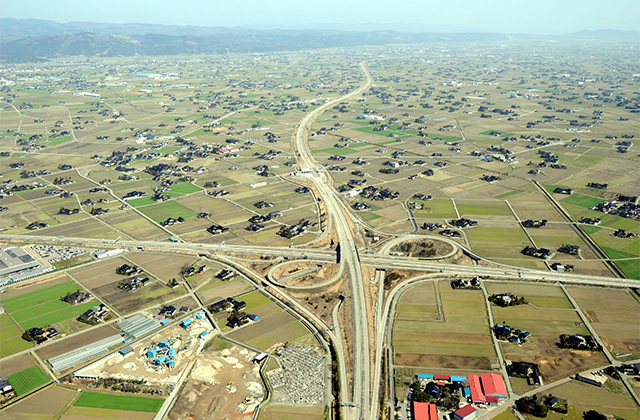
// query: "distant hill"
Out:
[23,40]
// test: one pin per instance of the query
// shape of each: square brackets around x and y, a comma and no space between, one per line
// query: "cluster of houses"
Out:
[40,335]
[624,206]
[95,314]
[463,223]
[505,332]
[474,283]
[229,304]
[528,370]
[217,229]
[76,298]
[360,206]
[292,231]
[128,270]
[534,223]
[133,283]
[192,271]
[579,342]
[373,193]
[37,225]
[171,221]
[134,194]
[507,299]
[532,251]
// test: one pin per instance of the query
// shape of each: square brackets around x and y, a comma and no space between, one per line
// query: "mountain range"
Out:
[24,40]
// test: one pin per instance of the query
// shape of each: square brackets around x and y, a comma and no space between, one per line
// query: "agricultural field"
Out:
[605,309]
[48,403]
[549,315]
[44,307]
[274,327]
[457,336]
[118,402]
[28,379]
[11,337]
[283,412]
[581,397]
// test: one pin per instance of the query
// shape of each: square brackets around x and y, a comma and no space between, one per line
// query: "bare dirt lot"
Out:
[219,385]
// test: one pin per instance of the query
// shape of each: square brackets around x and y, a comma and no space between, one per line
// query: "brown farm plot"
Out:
[44,404]
[614,314]
[16,364]
[460,335]
[285,412]
[162,266]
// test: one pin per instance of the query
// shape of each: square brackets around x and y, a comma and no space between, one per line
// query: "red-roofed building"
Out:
[477,396]
[424,411]
[466,413]
[493,385]
[441,377]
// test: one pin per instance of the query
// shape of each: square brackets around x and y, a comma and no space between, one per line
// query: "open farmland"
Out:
[582,397]
[45,404]
[274,327]
[11,337]
[28,379]
[118,402]
[459,338]
[44,307]
[549,315]
[283,412]
[605,309]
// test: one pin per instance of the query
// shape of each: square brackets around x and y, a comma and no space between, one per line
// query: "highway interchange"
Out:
[361,396]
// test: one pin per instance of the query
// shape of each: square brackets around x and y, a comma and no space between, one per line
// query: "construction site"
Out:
[158,360]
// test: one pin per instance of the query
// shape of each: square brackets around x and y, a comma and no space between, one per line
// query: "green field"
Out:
[10,337]
[183,188]
[44,307]
[48,312]
[162,211]
[582,200]
[118,402]
[28,379]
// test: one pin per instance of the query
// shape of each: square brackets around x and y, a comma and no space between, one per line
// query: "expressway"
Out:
[359,404]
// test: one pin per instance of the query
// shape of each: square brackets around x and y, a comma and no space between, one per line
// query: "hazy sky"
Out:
[512,16]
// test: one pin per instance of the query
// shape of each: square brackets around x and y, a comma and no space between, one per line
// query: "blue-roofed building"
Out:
[425,376]
[172,352]
[171,363]
[160,360]
[151,353]
[186,323]
[467,392]
[163,344]
[457,378]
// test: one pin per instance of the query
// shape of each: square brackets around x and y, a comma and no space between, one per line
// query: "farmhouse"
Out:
[76,297]
[565,191]
[6,388]
[534,223]
[536,252]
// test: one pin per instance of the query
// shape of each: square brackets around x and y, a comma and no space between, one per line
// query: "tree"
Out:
[593,415]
